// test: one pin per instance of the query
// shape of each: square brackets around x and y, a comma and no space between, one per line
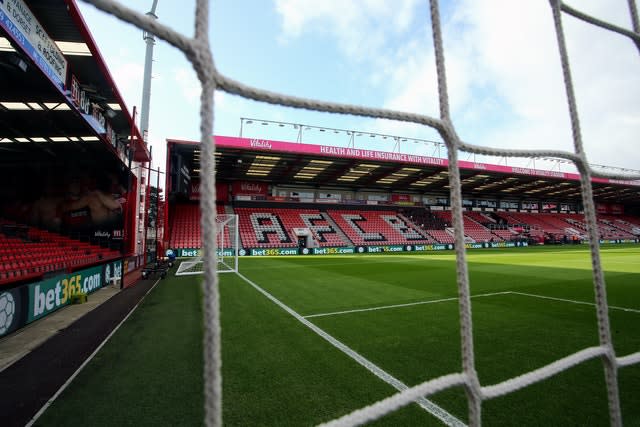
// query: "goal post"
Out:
[227,247]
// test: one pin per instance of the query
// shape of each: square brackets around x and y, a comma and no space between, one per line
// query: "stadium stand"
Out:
[366,227]
[607,228]
[431,224]
[555,226]
[625,223]
[273,227]
[534,224]
[27,253]
[472,229]
[185,226]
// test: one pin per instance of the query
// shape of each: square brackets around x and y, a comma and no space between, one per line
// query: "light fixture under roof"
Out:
[15,105]
[57,106]
[257,168]
[22,139]
[90,138]
[323,162]
[5,46]
[39,139]
[59,139]
[73,48]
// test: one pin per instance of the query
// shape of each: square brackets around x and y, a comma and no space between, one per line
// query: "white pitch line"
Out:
[431,407]
[613,307]
[385,307]
[86,362]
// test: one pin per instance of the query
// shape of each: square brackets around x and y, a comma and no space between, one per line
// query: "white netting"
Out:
[198,51]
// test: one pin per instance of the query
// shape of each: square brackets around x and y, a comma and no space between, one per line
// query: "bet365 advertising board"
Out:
[24,304]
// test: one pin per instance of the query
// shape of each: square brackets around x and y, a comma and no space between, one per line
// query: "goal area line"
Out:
[491,294]
[419,393]
[426,404]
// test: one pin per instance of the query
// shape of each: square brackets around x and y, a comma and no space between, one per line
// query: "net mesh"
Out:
[197,50]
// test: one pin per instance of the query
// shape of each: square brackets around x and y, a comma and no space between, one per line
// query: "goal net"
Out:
[198,51]
[226,234]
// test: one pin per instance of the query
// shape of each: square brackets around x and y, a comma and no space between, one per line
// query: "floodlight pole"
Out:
[146,84]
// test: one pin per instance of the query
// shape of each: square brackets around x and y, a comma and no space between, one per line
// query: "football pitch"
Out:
[308,339]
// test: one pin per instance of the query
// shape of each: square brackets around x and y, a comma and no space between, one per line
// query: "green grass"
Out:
[278,372]
[150,372]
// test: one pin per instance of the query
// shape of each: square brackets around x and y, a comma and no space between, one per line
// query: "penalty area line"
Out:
[385,307]
[86,362]
[426,404]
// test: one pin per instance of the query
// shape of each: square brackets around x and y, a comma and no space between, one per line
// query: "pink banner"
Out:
[413,159]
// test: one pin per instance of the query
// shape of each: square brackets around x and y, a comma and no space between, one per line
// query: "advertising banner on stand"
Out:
[112,273]
[12,314]
[51,294]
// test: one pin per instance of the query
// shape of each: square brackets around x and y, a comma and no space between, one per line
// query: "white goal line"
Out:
[491,294]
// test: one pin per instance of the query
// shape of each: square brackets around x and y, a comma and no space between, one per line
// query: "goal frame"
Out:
[227,249]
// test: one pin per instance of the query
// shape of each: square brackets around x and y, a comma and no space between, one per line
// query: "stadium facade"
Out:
[297,198]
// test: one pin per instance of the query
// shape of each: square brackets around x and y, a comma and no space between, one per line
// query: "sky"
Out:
[503,71]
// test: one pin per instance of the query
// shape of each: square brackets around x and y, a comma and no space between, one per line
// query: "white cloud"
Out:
[186,79]
[504,77]
[505,82]
[358,26]
[129,81]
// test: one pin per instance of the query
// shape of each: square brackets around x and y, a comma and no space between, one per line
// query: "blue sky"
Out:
[503,69]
